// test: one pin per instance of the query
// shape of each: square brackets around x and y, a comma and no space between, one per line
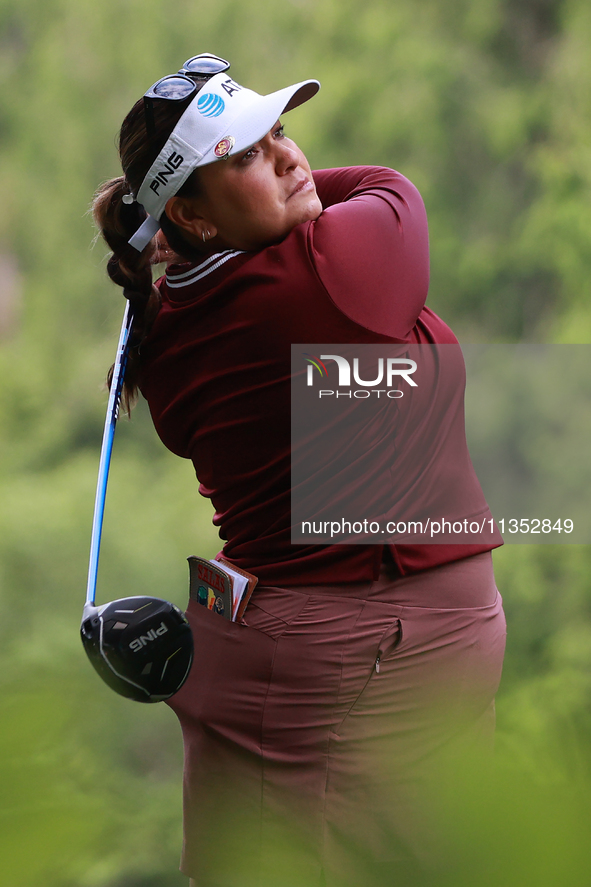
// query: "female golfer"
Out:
[318,728]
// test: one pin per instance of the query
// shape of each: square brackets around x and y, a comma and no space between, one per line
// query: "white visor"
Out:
[223,119]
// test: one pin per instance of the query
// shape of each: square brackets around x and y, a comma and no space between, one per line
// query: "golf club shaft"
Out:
[106,449]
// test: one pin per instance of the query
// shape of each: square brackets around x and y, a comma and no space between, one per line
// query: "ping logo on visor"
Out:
[210,105]
[163,174]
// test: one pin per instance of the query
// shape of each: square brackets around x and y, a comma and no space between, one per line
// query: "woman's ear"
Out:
[184,213]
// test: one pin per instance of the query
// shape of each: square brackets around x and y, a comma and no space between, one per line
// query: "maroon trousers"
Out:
[317,731]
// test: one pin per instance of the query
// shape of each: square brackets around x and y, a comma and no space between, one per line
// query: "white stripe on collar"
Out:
[200,271]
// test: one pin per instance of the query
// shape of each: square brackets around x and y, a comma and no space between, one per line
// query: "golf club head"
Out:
[142,647]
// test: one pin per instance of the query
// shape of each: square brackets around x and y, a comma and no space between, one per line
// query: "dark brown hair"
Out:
[117,221]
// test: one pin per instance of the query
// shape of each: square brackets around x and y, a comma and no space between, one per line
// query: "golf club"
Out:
[142,647]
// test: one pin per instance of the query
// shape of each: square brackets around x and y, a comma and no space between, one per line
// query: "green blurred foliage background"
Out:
[486,106]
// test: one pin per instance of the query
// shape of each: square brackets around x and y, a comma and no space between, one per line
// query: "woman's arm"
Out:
[370,247]
[339,184]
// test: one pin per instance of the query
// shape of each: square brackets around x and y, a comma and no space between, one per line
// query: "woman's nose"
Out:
[286,157]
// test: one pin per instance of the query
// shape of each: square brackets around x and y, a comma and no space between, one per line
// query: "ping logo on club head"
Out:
[210,105]
[152,635]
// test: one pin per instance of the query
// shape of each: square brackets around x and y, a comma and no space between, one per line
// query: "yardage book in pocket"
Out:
[221,587]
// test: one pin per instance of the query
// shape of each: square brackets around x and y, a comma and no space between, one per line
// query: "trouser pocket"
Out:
[376,636]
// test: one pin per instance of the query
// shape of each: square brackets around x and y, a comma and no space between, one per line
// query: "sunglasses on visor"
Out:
[176,87]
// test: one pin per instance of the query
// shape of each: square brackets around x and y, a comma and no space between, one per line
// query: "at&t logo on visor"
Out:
[210,105]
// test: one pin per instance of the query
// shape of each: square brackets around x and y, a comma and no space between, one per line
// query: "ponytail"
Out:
[129,269]
[118,220]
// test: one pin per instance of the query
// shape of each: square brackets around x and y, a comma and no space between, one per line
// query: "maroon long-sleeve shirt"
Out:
[216,366]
